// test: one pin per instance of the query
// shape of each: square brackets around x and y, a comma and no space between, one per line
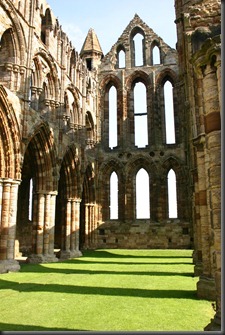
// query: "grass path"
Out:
[105,290]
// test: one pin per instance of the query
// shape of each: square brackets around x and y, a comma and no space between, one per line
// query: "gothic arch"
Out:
[18,33]
[70,170]
[72,107]
[133,166]
[164,75]
[155,43]
[46,26]
[112,165]
[138,76]
[177,166]
[137,30]
[9,139]
[120,48]
[88,223]
[68,199]
[45,81]
[170,76]
[41,151]
[105,86]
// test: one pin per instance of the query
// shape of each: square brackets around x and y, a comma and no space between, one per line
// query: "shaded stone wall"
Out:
[199,45]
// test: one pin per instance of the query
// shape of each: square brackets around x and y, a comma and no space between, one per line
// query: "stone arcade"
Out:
[55,159]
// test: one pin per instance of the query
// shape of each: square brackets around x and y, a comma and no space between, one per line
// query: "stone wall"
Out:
[142,234]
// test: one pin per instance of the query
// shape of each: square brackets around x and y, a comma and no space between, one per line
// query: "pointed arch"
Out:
[142,188]
[139,108]
[104,180]
[172,194]
[135,165]
[113,195]
[137,40]
[18,36]
[155,53]
[113,139]
[46,26]
[171,128]
[121,57]
[105,86]
[9,139]
[90,129]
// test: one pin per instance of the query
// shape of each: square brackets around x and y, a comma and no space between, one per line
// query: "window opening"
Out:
[113,196]
[112,117]
[172,194]
[142,195]
[30,210]
[140,115]
[156,55]
[89,63]
[121,58]
[138,49]
[169,113]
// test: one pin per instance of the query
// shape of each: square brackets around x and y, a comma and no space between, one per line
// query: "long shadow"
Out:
[18,327]
[45,269]
[98,290]
[85,261]
[108,254]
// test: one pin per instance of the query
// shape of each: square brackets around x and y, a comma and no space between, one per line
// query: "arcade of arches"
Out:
[72,153]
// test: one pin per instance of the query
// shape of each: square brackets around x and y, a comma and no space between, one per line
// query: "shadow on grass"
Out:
[108,254]
[83,260]
[17,327]
[45,269]
[98,290]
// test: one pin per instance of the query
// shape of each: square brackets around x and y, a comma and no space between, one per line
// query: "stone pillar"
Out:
[72,230]
[87,236]
[8,211]
[211,249]
[76,225]
[213,146]
[52,224]
[73,225]
[43,228]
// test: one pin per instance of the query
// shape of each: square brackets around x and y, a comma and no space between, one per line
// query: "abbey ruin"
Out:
[56,158]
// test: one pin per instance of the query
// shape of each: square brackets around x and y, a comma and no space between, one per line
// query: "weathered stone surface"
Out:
[55,158]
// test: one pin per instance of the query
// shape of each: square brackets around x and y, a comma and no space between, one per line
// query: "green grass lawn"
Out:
[105,290]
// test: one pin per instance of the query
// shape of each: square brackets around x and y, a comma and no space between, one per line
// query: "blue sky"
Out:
[110,18]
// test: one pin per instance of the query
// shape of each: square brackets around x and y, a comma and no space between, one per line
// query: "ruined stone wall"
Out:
[48,114]
[157,157]
[199,47]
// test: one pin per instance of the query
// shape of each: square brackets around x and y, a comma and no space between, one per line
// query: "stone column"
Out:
[52,225]
[43,228]
[8,211]
[76,224]
[72,230]
[87,220]
[213,146]
[73,225]
[12,220]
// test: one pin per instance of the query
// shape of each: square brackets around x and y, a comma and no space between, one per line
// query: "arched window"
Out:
[46,26]
[172,194]
[112,117]
[169,113]
[121,59]
[140,115]
[142,195]
[113,196]
[138,49]
[156,55]
[30,210]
